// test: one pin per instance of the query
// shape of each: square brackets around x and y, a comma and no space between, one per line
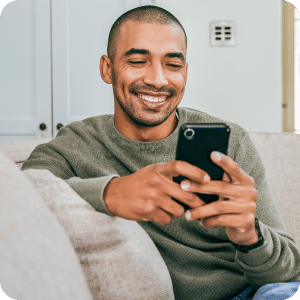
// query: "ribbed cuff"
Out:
[260,255]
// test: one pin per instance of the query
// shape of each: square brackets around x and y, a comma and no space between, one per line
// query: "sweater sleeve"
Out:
[278,259]
[91,190]
[59,157]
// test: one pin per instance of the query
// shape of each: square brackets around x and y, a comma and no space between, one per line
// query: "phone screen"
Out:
[196,141]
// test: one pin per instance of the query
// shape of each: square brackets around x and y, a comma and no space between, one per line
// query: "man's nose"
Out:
[156,76]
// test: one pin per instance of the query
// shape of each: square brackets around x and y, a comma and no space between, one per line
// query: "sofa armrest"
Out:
[280,155]
[36,257]
[18,152]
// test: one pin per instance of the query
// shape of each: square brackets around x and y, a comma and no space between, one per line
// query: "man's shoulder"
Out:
[238,135]
[80,130]
[197,116]
[95,121]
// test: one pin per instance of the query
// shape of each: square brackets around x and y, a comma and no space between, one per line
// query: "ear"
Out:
[105,69]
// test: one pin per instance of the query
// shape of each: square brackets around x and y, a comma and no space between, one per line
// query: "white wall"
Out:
[241,84]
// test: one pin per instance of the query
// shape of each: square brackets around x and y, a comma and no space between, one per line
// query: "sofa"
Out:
[54,245]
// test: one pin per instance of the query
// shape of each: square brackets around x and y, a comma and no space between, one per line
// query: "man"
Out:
[123,165]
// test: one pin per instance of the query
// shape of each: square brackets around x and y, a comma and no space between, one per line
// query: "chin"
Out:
[147,122]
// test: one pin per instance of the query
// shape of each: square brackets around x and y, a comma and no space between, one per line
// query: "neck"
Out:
[140,133]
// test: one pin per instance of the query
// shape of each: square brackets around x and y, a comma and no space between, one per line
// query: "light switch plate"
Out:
[222,34]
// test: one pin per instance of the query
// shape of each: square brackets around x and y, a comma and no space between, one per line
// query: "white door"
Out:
[80,31]
[25,70]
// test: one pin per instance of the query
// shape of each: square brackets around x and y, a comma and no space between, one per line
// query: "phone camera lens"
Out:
[189,133]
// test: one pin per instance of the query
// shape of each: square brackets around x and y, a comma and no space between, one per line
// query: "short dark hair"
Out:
[145,14]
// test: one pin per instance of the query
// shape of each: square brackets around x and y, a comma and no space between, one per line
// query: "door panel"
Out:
[25,70]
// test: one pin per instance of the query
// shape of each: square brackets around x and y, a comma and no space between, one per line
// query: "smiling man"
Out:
[123,165]
[147,67]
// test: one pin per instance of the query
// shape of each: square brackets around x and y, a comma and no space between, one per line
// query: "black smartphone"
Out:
[196,141]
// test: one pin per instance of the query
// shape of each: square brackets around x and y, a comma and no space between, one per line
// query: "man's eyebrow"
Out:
[147,52]
[176,54]
[136,51]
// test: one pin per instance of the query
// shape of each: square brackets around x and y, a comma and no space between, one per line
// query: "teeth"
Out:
[152,99]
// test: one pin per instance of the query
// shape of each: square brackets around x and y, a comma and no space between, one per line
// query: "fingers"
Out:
[171,190]
[221,188]
[161,213]
[175,168]
[189,198]
[218,209]
[236,185]
[161,208]
[233,221]
[160,217]
[235,172]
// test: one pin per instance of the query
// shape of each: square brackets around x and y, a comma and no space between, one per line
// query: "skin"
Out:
[147,66]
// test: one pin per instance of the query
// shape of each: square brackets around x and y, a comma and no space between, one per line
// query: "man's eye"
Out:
[175,66]
[137,62]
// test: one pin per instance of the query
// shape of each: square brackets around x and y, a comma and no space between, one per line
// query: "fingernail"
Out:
[188,215]
[206,178]
[217,155]
[185,184]
[200,222]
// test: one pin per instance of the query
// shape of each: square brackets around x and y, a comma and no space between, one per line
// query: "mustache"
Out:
[134,88]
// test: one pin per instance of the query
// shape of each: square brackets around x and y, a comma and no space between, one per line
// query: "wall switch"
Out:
[222,34]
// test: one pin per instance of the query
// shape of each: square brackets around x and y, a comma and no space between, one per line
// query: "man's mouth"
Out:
[152,98]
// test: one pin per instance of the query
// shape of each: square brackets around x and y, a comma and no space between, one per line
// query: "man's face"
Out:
[149,71]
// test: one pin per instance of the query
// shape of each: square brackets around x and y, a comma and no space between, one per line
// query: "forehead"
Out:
[151,36]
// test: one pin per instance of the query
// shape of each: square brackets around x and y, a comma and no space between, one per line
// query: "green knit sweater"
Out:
[202,263]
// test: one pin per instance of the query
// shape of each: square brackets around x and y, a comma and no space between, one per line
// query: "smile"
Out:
[152,98]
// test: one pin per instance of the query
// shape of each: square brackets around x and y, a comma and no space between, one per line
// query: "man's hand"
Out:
[146,194]
[236,207]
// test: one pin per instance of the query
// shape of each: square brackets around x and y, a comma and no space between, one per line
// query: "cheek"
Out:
[132,74]
[177,79]
[129,79]
[179,83]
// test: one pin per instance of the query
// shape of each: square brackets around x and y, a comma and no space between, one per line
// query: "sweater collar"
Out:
[168,141]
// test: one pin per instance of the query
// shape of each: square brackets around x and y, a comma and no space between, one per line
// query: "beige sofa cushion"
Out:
[119,259]
[280,154]
[18,152]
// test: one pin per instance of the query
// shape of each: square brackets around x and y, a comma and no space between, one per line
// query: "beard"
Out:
[139,120]
[130,109]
